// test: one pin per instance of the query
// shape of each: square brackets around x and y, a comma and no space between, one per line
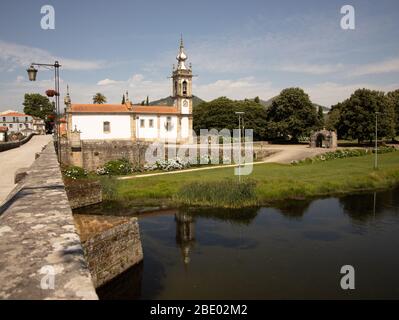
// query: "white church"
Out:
[136,122]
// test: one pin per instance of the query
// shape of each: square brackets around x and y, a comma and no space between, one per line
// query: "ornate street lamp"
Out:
[32,72]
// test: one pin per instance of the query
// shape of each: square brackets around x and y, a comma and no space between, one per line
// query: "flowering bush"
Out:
[343,153]
[168,165]
[115,167]
[74,173]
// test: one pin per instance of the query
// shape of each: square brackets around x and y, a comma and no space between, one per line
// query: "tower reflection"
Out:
[185,238]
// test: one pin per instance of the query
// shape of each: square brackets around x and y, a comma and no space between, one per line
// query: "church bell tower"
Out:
[182,83]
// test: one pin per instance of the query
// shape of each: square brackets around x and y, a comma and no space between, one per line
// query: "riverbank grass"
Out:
[271,182]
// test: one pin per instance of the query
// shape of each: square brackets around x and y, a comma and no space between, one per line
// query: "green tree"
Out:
[257,100]
[291,114]
[99,98]
[123,99]
[333,118]
[38,106]
[147,101]
[320,117]
[393,97]
[220,114]
[357,116]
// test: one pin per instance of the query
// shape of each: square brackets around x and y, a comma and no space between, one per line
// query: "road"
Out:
[22,157]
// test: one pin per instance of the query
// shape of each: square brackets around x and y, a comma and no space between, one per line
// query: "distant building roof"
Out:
[122,108]
[11,113]
[3,129]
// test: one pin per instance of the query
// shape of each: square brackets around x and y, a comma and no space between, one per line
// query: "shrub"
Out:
[226,193]
[116,167]
[333,155]
[168,165]
[74,173]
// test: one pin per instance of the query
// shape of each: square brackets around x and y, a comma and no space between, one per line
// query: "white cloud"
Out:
[330,93]
[313,69]
[15,55]
[386,66]
[242,88]
[107,82]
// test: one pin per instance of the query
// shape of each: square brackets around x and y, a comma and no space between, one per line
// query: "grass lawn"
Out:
[273,181]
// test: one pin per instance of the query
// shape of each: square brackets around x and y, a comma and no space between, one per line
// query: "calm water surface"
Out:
[295,251]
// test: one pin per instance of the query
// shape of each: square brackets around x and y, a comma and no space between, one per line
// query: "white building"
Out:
[16,121]
[136,122]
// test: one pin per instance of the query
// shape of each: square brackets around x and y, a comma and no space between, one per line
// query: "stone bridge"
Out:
[41,255]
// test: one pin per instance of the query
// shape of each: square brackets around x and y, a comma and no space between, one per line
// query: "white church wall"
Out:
[92,126]
[172,133]
[184,131]
[147,132]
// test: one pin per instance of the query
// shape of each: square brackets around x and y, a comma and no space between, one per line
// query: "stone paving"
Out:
[14,159]
[41,256]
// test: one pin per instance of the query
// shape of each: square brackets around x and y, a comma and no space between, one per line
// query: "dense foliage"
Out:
[39,106]
[220,114]
[355,117]
[292,115]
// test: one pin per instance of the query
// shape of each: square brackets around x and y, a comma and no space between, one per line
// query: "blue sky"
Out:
[238,48]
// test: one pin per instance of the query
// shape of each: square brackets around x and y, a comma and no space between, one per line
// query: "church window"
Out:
[151,123]
[168,124]
[141,123]
[175,87]
[184,87]
[106,127]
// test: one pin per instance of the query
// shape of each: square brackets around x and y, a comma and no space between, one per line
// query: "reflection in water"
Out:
[185,234]
[295,251]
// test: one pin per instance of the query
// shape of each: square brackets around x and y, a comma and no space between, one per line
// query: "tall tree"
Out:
[220,114]
[38,106]
[257,100]
[99,98]
[123,99]
[357,116]
[291,114]
[393,97]
[320,117]
[147,101]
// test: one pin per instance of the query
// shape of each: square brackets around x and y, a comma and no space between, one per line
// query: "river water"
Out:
[294,251]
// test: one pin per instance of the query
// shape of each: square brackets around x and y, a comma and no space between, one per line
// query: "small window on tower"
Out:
[141,123]
[184,87]
[107,127]
[175,87]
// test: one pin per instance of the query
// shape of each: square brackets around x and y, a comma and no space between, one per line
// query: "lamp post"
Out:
[239,113]
[376,141]
[32,73]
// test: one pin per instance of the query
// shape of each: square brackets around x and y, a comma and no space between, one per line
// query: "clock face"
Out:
[185,103]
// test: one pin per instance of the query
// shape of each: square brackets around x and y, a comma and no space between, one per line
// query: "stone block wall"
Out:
[95,154]
[82,193]
[111,245]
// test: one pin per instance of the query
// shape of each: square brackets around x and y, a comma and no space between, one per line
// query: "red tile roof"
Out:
[3,129]
[14,114]
[99,108]
[122,108]
[155,109]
